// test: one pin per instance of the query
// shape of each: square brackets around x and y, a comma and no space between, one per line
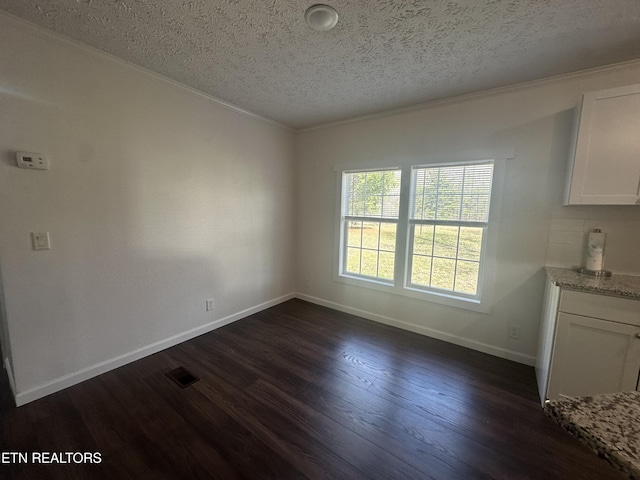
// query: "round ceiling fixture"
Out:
[321,17]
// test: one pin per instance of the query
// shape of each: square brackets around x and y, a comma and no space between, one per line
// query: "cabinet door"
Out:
[606,160]
[593,356]
[546,336]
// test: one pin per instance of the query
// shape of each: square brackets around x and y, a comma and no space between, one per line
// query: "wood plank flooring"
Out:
[301,391]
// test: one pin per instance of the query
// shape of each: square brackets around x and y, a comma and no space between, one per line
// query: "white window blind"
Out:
[458,193]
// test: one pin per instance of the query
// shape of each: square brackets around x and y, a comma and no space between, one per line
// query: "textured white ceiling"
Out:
[383,54]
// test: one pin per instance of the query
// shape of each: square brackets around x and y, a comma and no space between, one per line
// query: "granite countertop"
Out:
[627,286]
[609,424]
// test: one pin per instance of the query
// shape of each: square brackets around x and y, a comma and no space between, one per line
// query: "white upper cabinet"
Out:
[605,161]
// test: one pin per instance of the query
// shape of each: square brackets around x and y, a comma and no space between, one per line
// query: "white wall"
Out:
[535,122]
[157,199]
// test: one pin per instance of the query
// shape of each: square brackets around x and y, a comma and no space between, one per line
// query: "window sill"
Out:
[441,298]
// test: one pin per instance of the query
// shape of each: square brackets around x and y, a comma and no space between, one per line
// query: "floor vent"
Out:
[182,377]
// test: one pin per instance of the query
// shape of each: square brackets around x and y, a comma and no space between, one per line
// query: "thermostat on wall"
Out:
[32,160]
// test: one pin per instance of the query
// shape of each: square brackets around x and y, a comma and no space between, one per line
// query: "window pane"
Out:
[475,208]
[388,237]
[386,265]
[459,192]
[449,193]
[354,234]
[470,243]
[446,269]
[353,260]
[444,272]
[446,241]
[421,270]
[467,277]
[369,263]
[425,181]
[370,249]
[372,194]
[477,189]
[448,207]
[423,239]
[370,235]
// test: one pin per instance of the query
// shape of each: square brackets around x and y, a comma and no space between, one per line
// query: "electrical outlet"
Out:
[514,332]
[209,304]
[40,241]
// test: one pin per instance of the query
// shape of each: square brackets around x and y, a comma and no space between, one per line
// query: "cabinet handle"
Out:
[637,335]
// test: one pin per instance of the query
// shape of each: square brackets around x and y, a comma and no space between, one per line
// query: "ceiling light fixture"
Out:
[321,17]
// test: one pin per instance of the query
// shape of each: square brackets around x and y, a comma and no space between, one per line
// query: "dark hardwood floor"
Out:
[301,391]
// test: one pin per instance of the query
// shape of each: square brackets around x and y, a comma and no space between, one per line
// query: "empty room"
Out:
[247,239]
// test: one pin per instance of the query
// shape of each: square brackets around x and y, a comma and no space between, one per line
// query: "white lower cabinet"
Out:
[593,356]
[589,344]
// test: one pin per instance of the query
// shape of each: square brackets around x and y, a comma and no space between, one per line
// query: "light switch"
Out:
[40,241]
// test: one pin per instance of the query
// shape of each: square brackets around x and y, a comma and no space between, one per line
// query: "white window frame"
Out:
[401,285]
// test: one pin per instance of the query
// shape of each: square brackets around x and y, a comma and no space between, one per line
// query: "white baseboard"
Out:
[86,373]
[429,332]
[12,385]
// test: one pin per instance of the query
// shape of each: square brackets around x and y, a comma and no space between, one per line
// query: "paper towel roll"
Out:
[595,251]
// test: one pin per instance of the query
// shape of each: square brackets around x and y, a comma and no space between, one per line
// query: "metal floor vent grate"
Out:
[182,377]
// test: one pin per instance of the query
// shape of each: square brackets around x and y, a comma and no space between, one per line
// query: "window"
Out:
[449,217]
[371,203]
[417,230]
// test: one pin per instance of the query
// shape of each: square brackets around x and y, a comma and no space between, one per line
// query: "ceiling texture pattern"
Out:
[383,54]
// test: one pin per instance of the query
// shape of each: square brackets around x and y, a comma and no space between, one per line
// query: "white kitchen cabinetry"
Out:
[605,161]
[547,335]
[589,344]
[593,356]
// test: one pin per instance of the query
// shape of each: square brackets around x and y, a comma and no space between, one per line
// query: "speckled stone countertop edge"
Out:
[593,443]
[567,413]
[624,286]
